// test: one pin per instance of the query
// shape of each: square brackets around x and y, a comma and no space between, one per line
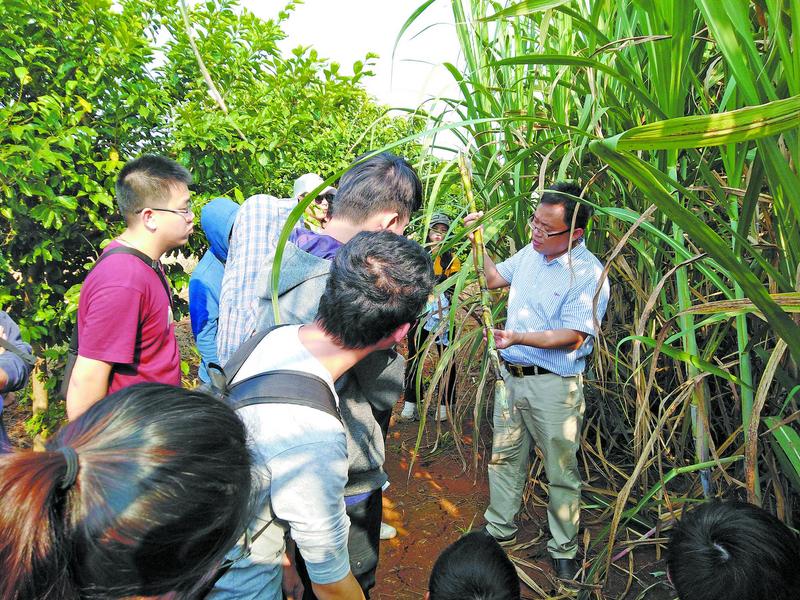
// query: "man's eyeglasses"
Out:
[534,228]
[184,212]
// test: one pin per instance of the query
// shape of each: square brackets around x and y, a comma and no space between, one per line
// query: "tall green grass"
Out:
[681,120]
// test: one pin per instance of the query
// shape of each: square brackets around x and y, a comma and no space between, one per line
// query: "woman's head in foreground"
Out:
[140,496]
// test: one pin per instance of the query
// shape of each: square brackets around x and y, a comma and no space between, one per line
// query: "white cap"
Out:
[309,181]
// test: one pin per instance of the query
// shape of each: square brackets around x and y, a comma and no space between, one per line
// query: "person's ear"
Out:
[395,337]
[147,219]
[427,596]
[390,221]
[401,332]
[577,234]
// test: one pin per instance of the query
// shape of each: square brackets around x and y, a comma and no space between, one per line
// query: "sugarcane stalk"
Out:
[478,249]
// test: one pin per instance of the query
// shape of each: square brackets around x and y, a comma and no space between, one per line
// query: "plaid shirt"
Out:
[255,235]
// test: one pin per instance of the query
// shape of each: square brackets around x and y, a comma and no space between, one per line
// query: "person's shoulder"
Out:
[208,263]
[119,268]
[588,258]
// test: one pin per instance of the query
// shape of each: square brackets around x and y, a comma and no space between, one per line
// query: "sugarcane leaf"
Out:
[527,7]
[786,443]
[699,131]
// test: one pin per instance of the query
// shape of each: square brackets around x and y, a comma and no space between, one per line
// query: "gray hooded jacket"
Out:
[376,381]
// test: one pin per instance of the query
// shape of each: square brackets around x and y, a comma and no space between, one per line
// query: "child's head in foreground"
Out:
[733,550]
[473,568]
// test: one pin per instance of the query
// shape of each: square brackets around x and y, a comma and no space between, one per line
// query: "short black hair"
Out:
[146,181]
[732,549]
[384,182]
[474,568]
[567,194]
[378,281]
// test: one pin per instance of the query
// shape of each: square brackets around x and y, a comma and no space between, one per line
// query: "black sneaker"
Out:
[566,568]
[510,540]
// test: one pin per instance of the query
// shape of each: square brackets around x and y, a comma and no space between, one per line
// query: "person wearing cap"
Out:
[557,298]
[435,322]
[255,235]
[317,213]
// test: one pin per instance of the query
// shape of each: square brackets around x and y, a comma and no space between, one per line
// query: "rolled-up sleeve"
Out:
[307,491]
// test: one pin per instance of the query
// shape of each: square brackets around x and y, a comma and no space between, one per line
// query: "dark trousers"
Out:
[363,544]
[414,363]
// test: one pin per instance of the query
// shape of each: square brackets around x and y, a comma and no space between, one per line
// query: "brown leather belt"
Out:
[526,371]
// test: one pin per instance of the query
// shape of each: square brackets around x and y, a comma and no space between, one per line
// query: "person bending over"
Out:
[140,496]
[378,193]
[377,284]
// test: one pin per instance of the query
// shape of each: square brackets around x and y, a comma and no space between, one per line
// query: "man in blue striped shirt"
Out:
[556,301]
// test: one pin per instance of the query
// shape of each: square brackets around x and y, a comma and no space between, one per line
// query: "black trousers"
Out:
[414,363]
[363,544]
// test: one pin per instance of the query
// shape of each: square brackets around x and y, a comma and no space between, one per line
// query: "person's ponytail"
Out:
[33,560]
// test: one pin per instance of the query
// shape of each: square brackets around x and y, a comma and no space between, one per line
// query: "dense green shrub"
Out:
[85,86]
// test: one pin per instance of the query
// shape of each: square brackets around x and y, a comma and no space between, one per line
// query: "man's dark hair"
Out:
[378,281]
[384,182]
[146,181]
[566,194]
[474,568]
[727,550]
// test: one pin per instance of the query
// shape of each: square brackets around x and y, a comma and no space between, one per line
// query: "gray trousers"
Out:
[546,410]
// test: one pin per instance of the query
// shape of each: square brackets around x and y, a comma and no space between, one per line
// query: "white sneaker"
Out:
[387,531]
[409,412]
[441,414]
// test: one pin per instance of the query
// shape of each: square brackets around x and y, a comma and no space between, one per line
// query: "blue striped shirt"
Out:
[553,295]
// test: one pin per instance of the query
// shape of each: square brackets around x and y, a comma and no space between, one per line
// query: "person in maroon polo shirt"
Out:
[126,332]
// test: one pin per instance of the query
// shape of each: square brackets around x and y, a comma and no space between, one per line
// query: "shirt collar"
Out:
[577,251]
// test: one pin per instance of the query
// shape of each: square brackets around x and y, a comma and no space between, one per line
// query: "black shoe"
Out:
[510,540]
[566,568]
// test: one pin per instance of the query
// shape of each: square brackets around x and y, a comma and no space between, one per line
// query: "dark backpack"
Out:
[273,387]
[72,351]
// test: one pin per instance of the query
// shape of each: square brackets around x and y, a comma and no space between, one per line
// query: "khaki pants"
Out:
[547,410]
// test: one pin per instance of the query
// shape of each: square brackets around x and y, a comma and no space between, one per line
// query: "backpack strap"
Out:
[238,358]
[284,387]
[153,264]
[21,354]
[72,349]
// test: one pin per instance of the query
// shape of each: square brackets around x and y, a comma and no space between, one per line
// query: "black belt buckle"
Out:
[525,371]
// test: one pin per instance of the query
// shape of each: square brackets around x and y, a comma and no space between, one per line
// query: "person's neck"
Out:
[552,257]
[340,230]
[336,359]
[143,242]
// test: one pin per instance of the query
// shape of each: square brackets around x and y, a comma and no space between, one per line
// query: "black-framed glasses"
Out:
[184,212]
[534,228]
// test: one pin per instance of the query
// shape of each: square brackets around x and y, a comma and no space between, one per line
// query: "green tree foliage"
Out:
[85,86]
[297,114]
[75,95]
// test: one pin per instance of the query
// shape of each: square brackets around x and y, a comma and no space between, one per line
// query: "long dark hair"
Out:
[474,568]
[140,496]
